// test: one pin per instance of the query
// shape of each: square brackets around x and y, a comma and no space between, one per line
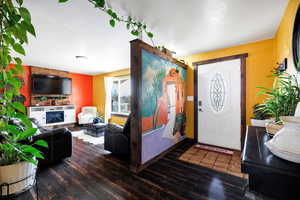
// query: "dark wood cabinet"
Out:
[268,175]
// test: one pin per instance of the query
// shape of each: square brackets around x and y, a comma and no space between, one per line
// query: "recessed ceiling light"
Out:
[81,57]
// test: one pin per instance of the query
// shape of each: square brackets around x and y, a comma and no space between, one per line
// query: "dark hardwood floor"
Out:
[91,174]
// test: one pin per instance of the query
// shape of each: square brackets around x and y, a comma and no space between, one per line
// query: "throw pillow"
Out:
[286,144]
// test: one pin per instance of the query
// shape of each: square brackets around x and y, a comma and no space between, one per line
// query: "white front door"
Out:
[219,99]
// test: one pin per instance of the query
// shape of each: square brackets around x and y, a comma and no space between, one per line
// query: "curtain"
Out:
[108,82]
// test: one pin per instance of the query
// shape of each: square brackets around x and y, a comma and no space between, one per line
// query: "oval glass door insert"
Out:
[217,92]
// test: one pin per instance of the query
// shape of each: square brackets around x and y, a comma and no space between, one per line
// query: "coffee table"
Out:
[95,130]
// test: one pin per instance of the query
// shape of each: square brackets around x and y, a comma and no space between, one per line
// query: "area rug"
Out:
[214,149]
[87,138]
[226,163]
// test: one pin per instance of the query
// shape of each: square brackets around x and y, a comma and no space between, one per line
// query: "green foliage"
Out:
[136,28]
[283,97]
[112,22]
[260,112]
[15,25]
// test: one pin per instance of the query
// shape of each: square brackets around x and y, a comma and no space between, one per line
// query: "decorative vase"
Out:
[258,122]
[22,174]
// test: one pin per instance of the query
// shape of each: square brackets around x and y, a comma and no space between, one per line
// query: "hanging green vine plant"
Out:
[15,127]
[136,28]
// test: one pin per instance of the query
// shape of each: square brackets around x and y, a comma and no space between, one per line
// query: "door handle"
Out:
[199,103]
[200,106]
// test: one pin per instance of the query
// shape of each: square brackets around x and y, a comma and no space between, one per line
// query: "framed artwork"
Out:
[158,103]
[296,41]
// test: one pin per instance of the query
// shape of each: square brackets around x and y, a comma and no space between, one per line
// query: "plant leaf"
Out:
[264,88]
[27,133]
[33,151]
[19,68]
[24,119]
[112,22]
[41,143]
[62,1]
[18,60]
[25,14]
[135,32]
[110,12]
[19,49]
[12,129]
[150,35]
[260,93]
[20,107]
[20,2]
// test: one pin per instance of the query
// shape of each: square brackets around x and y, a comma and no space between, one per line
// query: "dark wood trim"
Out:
[296,39]
[136,101]
[243,101]
[242,57]
[215,60]
[135,122]
[196,103]
[157,52]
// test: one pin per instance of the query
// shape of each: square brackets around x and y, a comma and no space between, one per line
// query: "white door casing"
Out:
[219,104]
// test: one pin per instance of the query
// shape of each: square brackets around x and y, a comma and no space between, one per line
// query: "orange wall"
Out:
[284,35]
[26,89]
[82,90]
[260,62]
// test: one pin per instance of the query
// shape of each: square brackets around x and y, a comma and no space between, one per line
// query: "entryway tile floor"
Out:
[230,164]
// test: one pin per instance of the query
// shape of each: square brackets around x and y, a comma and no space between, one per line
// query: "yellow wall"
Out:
[263,56]
[99,94]
[259,63]
[284,35]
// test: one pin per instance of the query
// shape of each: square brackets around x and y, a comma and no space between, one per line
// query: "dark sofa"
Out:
[59,144]
[117,138]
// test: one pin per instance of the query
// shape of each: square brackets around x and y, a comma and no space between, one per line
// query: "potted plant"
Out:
[260,115]
[17,154]
[282,99]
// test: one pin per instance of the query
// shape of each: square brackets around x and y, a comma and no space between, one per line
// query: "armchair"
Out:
[117,138]
[87,115]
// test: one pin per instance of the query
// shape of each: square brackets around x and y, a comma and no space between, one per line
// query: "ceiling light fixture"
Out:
[81,57]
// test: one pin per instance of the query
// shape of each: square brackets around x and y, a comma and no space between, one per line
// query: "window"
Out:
[120,96]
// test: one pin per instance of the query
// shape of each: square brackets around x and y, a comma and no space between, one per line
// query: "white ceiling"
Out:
[184,26]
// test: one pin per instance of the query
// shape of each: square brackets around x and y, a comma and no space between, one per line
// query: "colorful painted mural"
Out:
[163,103]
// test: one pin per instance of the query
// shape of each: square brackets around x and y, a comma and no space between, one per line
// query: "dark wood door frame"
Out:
[196,65]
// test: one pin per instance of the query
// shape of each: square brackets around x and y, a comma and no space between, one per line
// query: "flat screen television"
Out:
[43,84]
